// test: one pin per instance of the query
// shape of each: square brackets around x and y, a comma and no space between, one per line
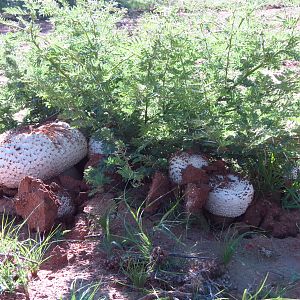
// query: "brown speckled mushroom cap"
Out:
[230,196]
[95,146]
[43,152]
[179,162]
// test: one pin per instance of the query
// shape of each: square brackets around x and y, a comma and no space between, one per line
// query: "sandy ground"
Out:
[254,259]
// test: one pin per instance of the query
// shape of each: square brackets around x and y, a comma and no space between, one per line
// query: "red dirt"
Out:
[37,203]
[80,228]
[80,256]
[217,167]
[94,160]
[71,184]
[8,192]
[7,206]
[194,175]
[159,192]
[99,205]
[195,197]
[270,217]
[58,258]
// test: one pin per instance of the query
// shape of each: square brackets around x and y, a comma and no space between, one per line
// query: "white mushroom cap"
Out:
[180,162]
[42,153]
[67,207]
[230,196]
[295,172]
[95,146]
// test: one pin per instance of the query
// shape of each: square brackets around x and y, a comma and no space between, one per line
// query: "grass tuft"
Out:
[20,258]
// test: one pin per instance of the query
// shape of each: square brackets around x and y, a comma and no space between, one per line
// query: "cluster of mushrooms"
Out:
[228,195]
[29,156]
[46,151]
[43,152]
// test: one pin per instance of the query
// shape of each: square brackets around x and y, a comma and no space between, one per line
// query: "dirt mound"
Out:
[7,206]
[195,197]
[36,203]
[194,175]
[269,216]
[41,205]
[217,167]
[159,192]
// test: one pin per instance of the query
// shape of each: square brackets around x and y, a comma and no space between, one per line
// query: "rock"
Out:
[160,190]
[196,196]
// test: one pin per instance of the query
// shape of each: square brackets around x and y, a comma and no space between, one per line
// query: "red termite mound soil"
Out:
[7,206]
[7,191]
[269,216]
[37,203]
[217,167]
[194,175]
[196,196]
[159,192]
[71,184]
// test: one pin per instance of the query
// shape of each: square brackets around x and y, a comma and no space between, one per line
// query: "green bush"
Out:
[138,4]
[175,81]
[10,3]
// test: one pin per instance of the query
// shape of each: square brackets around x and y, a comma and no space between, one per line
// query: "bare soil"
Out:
[81,256]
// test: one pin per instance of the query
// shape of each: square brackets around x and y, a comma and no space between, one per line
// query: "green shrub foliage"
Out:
[177,80]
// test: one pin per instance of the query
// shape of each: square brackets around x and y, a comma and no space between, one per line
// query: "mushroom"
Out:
[99,147]
[66,207]
[42,152]
[179,162]
[295,173]
[230,196]
[95,147]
